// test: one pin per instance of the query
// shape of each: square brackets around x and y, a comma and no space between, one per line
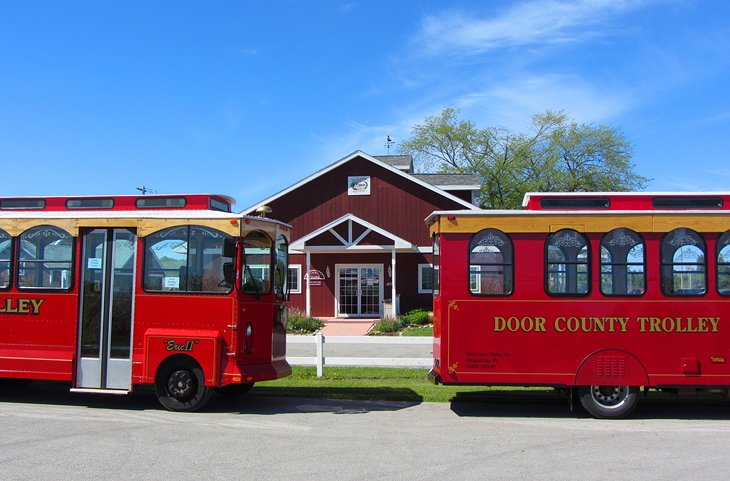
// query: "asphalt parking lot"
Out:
[49,433]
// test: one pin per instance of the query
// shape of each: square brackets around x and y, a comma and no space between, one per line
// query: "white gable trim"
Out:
[351,243]
[360,153]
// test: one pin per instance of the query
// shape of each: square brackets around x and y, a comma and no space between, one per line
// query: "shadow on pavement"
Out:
[260,401]
[549,404]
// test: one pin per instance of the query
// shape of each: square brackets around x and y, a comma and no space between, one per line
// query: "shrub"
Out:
[300,323]
[387,325]
[416,317]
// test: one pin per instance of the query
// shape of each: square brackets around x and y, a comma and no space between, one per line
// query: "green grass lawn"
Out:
[412,385]
[380,384]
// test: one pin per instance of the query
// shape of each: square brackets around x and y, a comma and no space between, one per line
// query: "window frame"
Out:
[297,276]
[421,268]
[625,263]
[723,238]
[20,264]
[147,246]
[588,264]
[9,260]
[507,265]
[668,280]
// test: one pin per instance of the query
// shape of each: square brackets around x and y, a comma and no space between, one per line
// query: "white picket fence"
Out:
[320,359]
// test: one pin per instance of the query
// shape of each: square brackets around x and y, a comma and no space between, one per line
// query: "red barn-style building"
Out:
[358,239]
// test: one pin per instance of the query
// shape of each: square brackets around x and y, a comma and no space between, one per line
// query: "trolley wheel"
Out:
[609,402]
[234,390]
[180,386]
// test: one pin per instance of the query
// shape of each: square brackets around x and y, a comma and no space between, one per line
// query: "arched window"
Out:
[44,260]
[684,265]
[490,263]
[6,253]
[623,263]
[566,258]
[189,259]
[256,263]
[723,264]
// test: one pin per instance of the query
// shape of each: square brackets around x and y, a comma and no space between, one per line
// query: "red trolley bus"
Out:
[112,292]
[601,293]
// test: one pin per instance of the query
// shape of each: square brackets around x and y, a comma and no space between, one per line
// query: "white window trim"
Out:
[298,268]
[421,290]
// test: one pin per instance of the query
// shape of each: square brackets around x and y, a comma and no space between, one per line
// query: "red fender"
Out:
[611,367]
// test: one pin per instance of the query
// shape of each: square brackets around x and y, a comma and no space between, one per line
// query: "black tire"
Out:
[180,386]
[609,402]
[234,390]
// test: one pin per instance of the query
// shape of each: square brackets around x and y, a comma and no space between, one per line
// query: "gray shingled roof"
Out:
[439,180]
[402,162]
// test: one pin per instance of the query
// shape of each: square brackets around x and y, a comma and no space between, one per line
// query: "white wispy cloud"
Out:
[529,23]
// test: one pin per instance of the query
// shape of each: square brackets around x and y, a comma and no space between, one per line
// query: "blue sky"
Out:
[246,98]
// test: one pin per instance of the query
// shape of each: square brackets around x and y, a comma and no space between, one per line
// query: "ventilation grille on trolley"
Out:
[611,366]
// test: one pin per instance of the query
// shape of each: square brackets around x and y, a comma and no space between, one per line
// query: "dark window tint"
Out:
[575,203]
[160,202]
[687,202]
[216,204]
[20,204]
[90,203]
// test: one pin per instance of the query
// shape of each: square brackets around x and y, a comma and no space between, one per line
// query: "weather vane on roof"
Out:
[388,143]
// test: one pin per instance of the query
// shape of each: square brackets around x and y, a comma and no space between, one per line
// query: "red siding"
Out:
[394,204]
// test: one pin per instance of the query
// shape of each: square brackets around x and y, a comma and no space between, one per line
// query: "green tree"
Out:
[555,155]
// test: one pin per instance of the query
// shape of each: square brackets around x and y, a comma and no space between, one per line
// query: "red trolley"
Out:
[111,292]
[601,293]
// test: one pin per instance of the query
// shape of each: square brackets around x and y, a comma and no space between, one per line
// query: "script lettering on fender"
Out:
[172,345]
[587,324]
[21,306]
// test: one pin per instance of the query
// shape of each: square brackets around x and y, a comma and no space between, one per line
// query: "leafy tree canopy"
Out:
[555,155]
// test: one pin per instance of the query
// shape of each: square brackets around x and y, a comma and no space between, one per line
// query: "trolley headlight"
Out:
[249,330]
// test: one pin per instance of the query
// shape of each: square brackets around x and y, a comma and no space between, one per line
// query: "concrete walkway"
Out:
[346,327]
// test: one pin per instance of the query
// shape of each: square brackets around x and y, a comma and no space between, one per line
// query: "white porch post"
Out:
[307,276]
[392,282]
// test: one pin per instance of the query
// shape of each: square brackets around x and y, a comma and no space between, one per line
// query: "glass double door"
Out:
[107,294]
[360,290]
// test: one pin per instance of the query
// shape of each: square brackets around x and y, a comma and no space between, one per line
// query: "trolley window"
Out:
[623,263]
[256,263]
[567,268]
[490,263]
[189,259]
[723,264]
[684,271]
[45,258]
[282,267]
[6,251]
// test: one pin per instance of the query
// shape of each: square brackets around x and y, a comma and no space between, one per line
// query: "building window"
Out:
[566,259]
[490,263]
[425,279]
[684,271]
[295,279]
[622,263]
[45,258]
